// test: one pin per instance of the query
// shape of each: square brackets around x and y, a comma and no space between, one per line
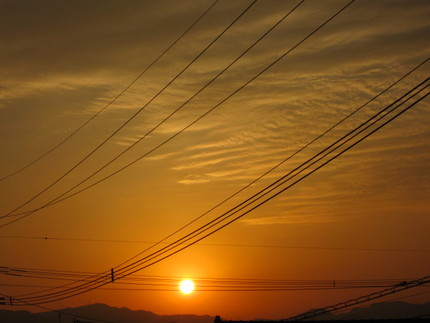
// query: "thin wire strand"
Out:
[133,116]
[46,238]
[112,100]
[59,198]
[200,117]
[213,231]
[80,290]
[349,147]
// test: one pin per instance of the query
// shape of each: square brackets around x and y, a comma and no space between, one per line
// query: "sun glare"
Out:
[186,286]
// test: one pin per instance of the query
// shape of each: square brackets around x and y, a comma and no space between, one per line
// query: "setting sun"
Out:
[247,160]
[186,286]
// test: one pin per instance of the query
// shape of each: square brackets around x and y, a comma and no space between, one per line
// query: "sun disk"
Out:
[186,286]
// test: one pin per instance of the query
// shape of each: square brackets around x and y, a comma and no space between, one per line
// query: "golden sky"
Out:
[363,216]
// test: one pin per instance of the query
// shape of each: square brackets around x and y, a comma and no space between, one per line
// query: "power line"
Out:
[286,159]
[135,268]
[332,308]
[249,201]
[99,281]
[377,122]
[21,302]
[112,100]
[46,238]
[200,234]
[219,104]
[390,299]
[132,267]
[202,283]
[25,272]
[196,234]
[196,120]
[60,198]
[223,217]
[59,312]
[279,164]
[174,288]
[134,115]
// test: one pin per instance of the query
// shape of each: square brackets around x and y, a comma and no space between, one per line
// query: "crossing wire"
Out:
[134,115]
[361,299]
[286,159]
[102,280]
[152,258]
[270,65]
[60,198]
[130,269]
[151,282]
[391,119]
[57,311]
[217,221]
[112,100]
[24,272]
[174,288]
[345,7]
[199,118]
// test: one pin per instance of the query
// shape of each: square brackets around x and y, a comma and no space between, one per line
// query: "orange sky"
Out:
[64,61]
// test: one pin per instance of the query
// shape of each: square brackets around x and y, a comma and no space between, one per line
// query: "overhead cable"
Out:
[112,100]
[61,198]
[132,117]
[201,233]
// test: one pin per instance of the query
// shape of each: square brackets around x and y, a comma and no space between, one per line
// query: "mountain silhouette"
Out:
[102,312]
[99,312]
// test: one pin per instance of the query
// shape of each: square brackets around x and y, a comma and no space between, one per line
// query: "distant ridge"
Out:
[100,312]
[379,311]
